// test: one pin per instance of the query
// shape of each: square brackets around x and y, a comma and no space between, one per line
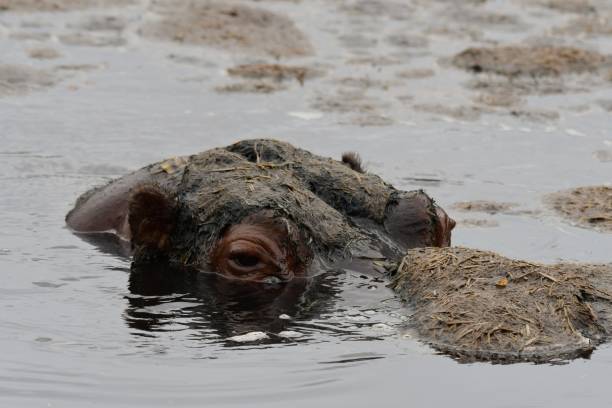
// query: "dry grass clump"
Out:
[478,305]
[587,206]
[533,61]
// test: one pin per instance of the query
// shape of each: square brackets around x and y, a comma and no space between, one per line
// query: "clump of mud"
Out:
[275,72]
[586,206]
[20,79]
[346,102]
[59,5]
[477,305]
[490,207]
[227,26]
[536,61]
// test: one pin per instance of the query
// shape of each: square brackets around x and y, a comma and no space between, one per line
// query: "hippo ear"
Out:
[151,216]
[353,160]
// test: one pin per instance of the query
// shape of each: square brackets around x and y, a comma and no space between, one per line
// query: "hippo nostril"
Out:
[452,223]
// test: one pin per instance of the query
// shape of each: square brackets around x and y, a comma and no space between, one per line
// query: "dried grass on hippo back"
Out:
[480,306]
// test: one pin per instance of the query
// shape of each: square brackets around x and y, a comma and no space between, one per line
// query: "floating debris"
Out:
[249,337]
[289,334]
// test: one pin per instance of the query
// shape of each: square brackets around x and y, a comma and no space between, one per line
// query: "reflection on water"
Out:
[213,307]
[349,300]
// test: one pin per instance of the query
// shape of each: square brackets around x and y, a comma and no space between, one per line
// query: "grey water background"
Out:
[69,334]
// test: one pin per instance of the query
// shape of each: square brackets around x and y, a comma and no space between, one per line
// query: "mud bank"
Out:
[227,26]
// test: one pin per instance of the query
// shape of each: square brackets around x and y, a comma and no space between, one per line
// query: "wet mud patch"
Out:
[497,88]
[44,53]
[373,61]
[483,206]
[358,41]
[480,306]
[402,40]
[416,73]
[466,113]
[364,83]
[101,23]
[78,67]
[606,104]
[369,120]
[477,223]
[275,72]
[535,115]
[604,156]
[59,5]
[537,61]
[377,8]
[227,26]
[499,99]
[347,101]
[21,79]
[256,87]
[85,39]
[470,16]
[566,6]
[357,108]
[587,26]
[589,207]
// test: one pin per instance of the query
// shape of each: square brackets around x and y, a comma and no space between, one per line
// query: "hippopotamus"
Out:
[260,211]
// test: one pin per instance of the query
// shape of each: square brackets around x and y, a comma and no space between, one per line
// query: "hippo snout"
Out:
[444,227]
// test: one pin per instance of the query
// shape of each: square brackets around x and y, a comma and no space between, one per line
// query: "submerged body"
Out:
[260,210]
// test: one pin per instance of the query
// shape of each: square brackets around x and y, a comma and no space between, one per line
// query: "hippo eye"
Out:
[245,260]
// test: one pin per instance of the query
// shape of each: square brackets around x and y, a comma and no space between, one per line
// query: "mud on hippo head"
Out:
[263,210]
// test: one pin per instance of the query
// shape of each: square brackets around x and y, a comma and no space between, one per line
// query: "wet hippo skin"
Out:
[260,210]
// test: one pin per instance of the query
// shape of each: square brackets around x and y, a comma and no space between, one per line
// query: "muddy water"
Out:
[84,97]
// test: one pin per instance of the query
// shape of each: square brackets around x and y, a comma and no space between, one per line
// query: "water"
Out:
[75,332]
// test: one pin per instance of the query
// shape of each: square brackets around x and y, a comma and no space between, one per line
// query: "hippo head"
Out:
[262,210]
